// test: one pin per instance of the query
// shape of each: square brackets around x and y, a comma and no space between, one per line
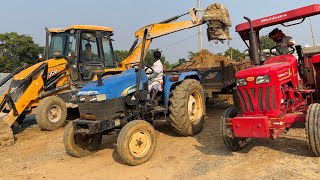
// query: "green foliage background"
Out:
[16,50]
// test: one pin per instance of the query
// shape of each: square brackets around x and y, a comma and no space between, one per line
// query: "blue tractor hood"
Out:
[115,86]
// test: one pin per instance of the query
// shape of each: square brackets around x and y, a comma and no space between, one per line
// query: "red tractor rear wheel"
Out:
[312,129]
[232,143]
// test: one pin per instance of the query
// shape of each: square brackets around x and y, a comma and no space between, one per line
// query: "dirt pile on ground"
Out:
[205,59]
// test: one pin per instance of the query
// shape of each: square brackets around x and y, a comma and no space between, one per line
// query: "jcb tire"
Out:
[136,142]
[312,129]
[232,143]
[187,108]
[80,145]
[51,113]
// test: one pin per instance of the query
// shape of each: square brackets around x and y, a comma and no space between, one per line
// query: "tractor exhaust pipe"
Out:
[254,50]
[141,61]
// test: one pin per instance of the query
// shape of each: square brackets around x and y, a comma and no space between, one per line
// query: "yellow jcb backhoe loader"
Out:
[51,85]
[71,56]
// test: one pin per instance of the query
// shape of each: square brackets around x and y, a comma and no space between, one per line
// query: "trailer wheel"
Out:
[136,142]
[187,108]
[80,145]
[312,129]
[232,143]
[51,113]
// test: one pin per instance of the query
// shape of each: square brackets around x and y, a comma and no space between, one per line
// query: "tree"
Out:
[16,50]
[148,60]
[182,60]
[234,53]
[266,42]
[121,54]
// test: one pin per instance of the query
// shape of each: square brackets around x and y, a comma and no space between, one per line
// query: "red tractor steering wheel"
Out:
[291,51]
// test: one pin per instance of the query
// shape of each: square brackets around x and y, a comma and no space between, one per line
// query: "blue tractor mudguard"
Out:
[173,79]
[114,86]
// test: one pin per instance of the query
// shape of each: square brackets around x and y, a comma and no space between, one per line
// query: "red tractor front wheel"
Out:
[232,143]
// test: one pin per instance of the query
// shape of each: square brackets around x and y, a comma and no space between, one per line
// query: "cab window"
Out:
[62,44]
[108,51]
[88,48]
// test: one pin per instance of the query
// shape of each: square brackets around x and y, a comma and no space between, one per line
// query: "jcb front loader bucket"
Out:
[16,99]
[6,135]
[218,22]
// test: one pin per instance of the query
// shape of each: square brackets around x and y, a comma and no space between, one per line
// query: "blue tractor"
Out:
[117,102]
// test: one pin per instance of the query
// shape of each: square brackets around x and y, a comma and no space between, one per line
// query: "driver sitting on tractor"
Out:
[155,79]
[284,43]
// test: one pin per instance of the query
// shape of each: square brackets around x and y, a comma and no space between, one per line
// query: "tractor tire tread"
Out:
[178,108]
[124,137]
[312,129]
[72,149]
[231,144]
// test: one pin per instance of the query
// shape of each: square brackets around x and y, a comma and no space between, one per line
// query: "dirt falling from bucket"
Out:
[218,22]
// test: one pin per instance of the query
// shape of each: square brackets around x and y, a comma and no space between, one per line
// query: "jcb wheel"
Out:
[232,143]
[187,109]
[136,142]
[312,129]
[80,145]
[51,113]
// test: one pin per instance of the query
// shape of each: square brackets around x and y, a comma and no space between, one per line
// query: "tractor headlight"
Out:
[98,98]
[101,97]
[241,82]
[93,98]
[263,79]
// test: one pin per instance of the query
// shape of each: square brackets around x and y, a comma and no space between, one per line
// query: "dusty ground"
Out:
[40,154]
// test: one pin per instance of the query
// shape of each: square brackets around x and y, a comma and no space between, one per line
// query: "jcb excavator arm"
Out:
[216,16]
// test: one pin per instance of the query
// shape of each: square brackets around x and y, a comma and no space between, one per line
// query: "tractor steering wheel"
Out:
[135,66]
[147,69]
[150,70]
[291,51]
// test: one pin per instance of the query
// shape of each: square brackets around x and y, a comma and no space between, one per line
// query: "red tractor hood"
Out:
[263,70]
[281,67]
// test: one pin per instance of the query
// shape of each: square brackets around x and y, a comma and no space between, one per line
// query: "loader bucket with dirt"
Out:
[218,22]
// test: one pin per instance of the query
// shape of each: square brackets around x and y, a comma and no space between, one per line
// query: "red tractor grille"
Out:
[258,99]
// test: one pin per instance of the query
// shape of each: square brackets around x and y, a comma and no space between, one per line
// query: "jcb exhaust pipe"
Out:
[254,49]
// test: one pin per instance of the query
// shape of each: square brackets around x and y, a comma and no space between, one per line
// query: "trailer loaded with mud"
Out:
[216,72]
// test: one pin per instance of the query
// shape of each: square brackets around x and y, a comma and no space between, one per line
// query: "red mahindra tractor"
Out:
[267,98]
